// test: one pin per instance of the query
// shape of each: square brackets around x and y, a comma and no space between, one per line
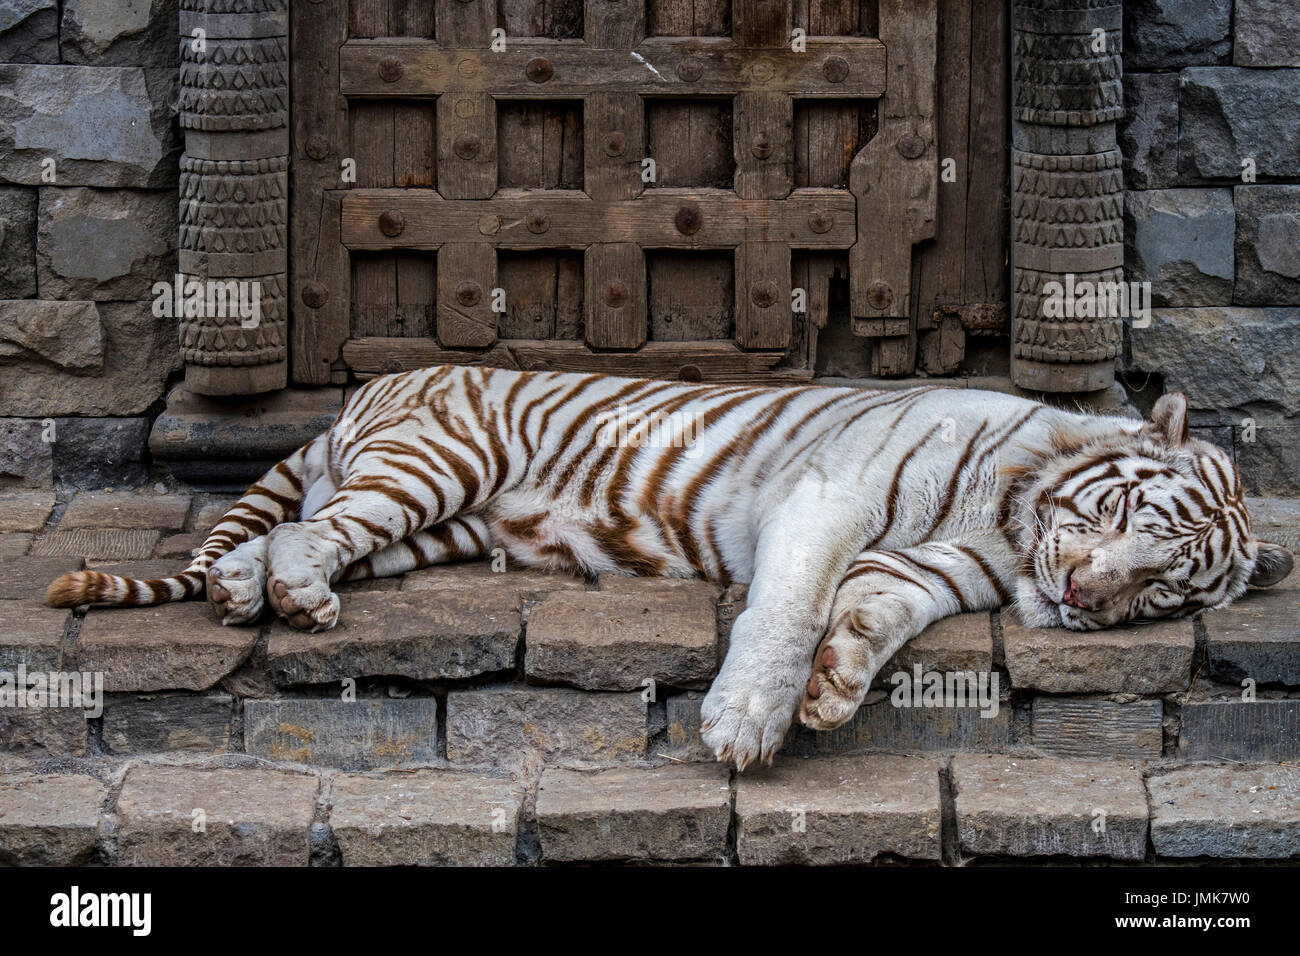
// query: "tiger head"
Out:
[1143,523]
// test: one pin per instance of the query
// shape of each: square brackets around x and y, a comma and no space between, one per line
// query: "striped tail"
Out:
[275,498]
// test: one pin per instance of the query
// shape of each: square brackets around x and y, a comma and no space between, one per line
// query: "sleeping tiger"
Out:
[857,517]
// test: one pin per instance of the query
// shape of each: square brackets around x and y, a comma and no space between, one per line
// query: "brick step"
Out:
[824,810]
[462,666]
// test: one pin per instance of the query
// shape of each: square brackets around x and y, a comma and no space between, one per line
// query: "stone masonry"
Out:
[461,715]
[1211,143]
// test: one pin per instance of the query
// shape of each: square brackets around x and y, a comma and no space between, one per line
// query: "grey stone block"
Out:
[1268,456]
[1169,33]
[1148,133]
[1151,658]
[1240,730]
[660,813]
[68,335]
[127,544]
[1230,114]
[103,126]
[29,31]
[1011,807]
[352,735]
[1268,235]
[503,726]
[25,578]
[1098,728]
[101,452]
[1258,638]
[17,242]
[682,736]
[838,810]
[186,816]
[1266,33]
[48,732]
[141,33]
[31,636]
[1226,812]
[421,636]
[425,818]
[600,640]
[140,353]
[1181,241]
[105,243]
[26,461]
[1224,358]
[145,725]
[49,820]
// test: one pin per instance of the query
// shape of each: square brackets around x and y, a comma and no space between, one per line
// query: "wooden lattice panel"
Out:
[482,171]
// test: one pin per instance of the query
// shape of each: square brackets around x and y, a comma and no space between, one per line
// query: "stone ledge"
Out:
[1226,812]
[1009,807]
[664,813]
[26,578]
[49,820]
[26,511]
[124,509]
[838,810]
[1257,638]
[619,640]
[352,735]
[425,818]
[1151,657]
[421,636]
[250,817]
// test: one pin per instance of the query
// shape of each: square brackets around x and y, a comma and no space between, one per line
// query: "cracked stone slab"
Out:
[516,585]
[124,509]
[676,812]
[1257,638]
[250,817]
[1240,730]
[1098,728]
[31,636]
[1227,812]
[126,544]
[423,636]
[178,646]
[1152,657]
[1009,806]
[838,810]
[353,735]
[49,820]
[504,725]
[618,640]
[426,818]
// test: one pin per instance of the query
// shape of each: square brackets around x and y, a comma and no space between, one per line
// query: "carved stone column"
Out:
[234,192]
[1067,206]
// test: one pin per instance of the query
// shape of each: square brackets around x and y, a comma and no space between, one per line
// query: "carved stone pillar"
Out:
[1067,206]
[234,192]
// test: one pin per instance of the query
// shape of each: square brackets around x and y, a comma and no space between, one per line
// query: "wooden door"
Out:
[682,188]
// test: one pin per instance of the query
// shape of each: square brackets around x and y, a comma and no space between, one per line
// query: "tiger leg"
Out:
[457,539]
[885,599]
[365,516]
[799,560]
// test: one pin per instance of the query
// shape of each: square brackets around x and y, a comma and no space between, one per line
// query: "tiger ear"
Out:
[1272,565]
[1169,420]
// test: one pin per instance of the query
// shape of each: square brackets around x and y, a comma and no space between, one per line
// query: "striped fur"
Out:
[858,517]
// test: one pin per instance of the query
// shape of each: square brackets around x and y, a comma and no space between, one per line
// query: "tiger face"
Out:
[1153,525]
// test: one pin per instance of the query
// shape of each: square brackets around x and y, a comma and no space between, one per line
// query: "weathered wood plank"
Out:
[414,145]
[467,274]
[615,295]
[462,25]
[692,295]
[716,361]
[544,295]
[764,145]
[894,176]
[718,67]
[686,18]
[690,142]
[374,293]
[557,219]
[760,23]
[987,202]
[539,145]
[616,26]
[613,145]
[417,294]
[763,295]
[467,145]
[556,19]
[319,122]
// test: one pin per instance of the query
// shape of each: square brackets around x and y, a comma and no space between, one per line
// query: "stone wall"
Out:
[89,149]
[1211,143]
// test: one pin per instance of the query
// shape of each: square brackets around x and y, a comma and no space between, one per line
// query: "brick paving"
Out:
[459,714]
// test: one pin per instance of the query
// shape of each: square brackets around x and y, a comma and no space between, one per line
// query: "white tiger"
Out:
[858,517]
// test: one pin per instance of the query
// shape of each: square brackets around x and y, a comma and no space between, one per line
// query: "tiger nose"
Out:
[1072,596]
